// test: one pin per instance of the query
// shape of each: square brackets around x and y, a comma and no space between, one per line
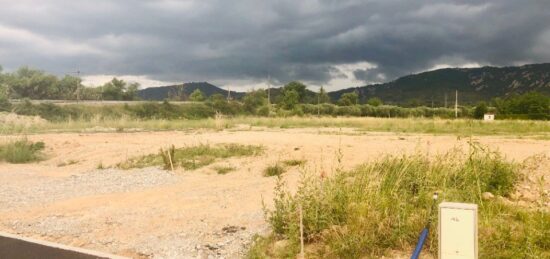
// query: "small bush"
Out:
[274,170]
[21,151]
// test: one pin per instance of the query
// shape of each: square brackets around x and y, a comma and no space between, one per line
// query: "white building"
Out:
[489,117]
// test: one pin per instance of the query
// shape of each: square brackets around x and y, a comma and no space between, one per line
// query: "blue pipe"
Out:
[420,243]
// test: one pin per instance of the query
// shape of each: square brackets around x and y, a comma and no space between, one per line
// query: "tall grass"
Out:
[382,206]
[21,151]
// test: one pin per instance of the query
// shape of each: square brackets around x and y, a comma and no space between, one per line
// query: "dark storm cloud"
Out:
[229,41]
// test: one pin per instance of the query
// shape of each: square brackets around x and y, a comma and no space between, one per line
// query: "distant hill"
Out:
[182,91]
[473,85]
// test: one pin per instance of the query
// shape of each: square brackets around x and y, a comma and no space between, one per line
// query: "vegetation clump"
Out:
[274,170]
[21,151]
[382,206]
[280,168]
[191,158]
[294,162]
[224,169]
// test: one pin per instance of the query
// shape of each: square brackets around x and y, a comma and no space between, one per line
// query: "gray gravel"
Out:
[47,189]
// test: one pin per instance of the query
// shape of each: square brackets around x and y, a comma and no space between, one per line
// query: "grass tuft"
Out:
[22,151]
[274,170]
[224,169]
[191,158]
[294,162]
[100,166]
[382,206]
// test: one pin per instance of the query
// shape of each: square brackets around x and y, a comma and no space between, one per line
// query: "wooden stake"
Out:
[170,159]
[456,103]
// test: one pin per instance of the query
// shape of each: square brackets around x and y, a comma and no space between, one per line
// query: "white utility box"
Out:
[457,230]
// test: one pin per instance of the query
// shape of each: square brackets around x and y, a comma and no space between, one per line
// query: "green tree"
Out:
[130,94]
[4,102]
[322,96]
[114,89]
[197,96]
[91,93]
[33,84]
[3,88]
[374,101]
[298,87]
[254,99]
[480,110]
[68,87]
[348,99]
[532,105]
[290,99]
[117,89]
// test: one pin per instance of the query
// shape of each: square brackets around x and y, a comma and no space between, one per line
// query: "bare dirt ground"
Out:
[187,214]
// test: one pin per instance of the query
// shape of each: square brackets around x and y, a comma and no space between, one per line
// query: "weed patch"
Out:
[191,158]
[294,162]
[274,170]
[22,151]
[382,206]
[224,169]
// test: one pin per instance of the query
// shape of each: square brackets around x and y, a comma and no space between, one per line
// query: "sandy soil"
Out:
[184,214]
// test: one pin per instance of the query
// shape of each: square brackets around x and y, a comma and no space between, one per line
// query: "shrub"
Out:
[21,151]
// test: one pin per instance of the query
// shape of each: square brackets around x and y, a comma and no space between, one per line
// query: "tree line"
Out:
[292,99]
[28,83]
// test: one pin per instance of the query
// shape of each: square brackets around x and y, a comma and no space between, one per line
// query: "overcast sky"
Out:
[237,44]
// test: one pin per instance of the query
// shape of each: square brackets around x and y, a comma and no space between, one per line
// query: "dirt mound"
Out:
[534,187]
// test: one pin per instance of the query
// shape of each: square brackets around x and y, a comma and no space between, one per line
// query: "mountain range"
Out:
[432,87]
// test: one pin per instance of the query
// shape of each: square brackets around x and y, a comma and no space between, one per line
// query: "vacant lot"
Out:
[78,197]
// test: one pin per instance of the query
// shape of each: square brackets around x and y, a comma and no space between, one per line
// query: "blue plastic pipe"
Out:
[420,244]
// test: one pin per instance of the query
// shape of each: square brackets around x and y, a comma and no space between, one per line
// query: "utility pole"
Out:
[268,90]
[445,99]
[228,94]
[456,103]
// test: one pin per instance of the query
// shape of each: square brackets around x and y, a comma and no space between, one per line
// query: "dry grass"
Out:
[460,127]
